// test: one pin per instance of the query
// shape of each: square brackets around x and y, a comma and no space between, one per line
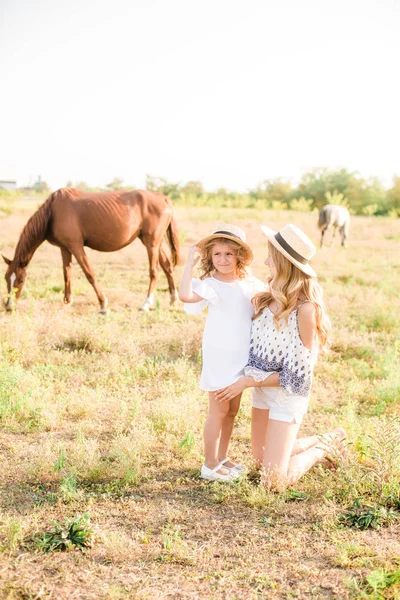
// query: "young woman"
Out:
[290,326]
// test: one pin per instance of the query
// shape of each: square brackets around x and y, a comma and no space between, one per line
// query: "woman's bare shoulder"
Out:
[307,324]
[307,310]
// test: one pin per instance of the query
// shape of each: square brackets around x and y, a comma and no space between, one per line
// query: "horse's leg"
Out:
[322,236]
[83,262]
[153,252]
[333,234]
[343,235]
[67,268]
[167,268]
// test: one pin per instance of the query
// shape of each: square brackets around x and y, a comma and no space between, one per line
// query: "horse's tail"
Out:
[35,231]
[173,239]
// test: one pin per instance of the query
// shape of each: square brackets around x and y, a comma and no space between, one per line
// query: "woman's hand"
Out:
[233,390]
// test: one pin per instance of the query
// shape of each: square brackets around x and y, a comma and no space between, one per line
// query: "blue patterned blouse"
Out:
[281,351]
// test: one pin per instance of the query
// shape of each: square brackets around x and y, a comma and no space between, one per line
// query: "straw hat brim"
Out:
[306,268]
[231,238]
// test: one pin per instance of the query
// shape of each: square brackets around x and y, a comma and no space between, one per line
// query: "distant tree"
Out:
[336,198]
[366,196]
[151,183]
[163,186]
[82,185]
[274,192]
[301,204]
[115,184]
[393,198]
[193,189]
[317,182]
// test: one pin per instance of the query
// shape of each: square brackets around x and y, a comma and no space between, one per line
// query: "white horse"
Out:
[337,217]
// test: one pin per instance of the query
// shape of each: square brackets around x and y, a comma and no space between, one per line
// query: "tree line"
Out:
[317,187]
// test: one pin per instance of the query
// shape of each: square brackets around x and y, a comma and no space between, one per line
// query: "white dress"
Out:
[227,333]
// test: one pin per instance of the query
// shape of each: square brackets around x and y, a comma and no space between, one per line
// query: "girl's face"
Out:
[224,258]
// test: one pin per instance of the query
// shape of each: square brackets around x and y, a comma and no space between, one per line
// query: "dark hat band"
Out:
[290,250]
[228,233]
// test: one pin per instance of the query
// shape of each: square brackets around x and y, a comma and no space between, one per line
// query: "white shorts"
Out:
[281,405]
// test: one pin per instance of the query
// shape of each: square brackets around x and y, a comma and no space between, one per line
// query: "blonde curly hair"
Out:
[289,286]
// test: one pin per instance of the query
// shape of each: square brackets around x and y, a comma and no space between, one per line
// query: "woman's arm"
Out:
[307,329]
[243,383]
[307,324]
[186,294]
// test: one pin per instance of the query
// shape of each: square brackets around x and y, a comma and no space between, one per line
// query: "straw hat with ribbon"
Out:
[294,244]
[229,232]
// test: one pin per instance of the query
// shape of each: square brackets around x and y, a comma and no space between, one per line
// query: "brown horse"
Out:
[72,219]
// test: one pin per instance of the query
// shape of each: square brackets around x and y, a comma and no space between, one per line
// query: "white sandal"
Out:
[238,467]
[213,475]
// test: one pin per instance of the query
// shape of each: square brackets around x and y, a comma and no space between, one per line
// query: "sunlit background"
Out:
[225,92]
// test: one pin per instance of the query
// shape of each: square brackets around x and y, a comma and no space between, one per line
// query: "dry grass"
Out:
[104,415]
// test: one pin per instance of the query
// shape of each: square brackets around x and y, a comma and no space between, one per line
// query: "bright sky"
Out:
[228,92]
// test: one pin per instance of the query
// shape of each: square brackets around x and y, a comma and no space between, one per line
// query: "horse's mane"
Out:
[34,233]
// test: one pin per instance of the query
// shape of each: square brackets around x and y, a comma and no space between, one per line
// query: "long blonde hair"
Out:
[289,286]
[206,263]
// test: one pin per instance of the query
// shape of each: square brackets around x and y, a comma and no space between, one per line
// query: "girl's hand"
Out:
[192,259]
[233,390]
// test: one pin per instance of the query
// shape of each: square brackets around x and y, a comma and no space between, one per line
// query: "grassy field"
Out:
[101,431]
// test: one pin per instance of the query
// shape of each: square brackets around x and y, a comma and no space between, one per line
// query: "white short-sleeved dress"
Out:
[227,332]
[281,351]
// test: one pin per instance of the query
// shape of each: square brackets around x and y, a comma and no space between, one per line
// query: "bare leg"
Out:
[82,259]
[212,431]
[167,268]
[279,443]
[227,428]
[305,443]
[326,439]
[153,252]
[67,268]
[259,425]
[281,466]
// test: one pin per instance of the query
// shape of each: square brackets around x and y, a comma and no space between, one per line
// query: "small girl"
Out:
[226,288]
[290,324]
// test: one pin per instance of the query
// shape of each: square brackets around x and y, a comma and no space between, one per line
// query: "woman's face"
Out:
[270,264]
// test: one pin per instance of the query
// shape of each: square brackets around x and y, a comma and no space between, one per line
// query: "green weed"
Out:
[187,444]
[381,584]
[364,516]
[73,533]
[11,532]
[68,488]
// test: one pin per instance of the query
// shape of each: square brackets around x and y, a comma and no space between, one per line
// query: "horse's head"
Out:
[15,277]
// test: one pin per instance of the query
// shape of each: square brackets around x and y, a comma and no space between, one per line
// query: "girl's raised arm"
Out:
[186,293]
